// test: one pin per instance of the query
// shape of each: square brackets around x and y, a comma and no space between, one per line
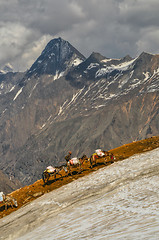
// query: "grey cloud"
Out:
[139,13]
[114,28]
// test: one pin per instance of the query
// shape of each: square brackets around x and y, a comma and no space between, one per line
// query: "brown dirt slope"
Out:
[29,193]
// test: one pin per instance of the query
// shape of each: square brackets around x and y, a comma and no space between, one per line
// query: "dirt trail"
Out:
[29,193]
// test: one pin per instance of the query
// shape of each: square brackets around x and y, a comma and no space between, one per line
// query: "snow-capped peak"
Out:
[6,68]
[58,56]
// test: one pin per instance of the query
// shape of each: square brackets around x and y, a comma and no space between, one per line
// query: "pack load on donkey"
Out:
[1,197]
[105,155]
[51,171]
[100,153]
[74,163]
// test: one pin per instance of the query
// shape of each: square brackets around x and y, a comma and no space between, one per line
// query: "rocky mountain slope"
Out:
[8,185]
[117,202]
[67,102]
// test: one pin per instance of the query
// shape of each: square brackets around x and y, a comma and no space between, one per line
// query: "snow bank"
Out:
[116,202]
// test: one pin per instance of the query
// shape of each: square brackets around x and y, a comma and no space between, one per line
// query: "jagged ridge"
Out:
[100,102]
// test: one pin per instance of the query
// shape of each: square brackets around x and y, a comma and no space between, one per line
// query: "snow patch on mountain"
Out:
[146,74]
[67,104]
[77,61]
[107,60]
[2,85]
[12,88]
[33,89]
[99,93]
[92,65]
[119,67]
[18,93]
[58,75]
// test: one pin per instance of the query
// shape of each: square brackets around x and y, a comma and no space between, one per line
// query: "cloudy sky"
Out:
[113,28]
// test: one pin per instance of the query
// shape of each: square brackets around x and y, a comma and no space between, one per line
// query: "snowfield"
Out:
[120,201]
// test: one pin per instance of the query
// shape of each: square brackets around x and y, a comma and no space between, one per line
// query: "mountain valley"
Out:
[68,102]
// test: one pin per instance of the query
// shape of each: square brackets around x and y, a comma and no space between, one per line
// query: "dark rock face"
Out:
[8,185]
[55,58]
[66,102]
[84,73]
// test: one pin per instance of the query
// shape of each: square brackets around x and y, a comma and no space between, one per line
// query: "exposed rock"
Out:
[66,102]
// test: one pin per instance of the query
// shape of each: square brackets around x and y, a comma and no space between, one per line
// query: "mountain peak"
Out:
[56,58]
[127,58]
[96,57]
[6,68]
[147,62]
[145,55]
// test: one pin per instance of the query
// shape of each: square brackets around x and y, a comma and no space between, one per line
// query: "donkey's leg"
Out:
[91,162]
[6,206]
[80,167]
[43,177]
[58,172]
[70,172]
[95,159]
[105,160]
[48,176]
[11,204]
[55,176]
[60,175]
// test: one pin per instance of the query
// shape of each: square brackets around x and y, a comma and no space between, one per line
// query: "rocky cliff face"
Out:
[8,185]
[67,102]
[58,56]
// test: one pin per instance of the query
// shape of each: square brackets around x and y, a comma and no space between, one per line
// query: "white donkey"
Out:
[9,201]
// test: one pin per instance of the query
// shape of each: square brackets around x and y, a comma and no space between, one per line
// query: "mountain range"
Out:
[67,102]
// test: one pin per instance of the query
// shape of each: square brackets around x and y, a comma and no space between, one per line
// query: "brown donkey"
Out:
[75,163]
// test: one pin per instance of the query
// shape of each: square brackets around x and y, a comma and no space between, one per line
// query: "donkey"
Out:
[51,171]
[107,157]
[75,163]
[9,201]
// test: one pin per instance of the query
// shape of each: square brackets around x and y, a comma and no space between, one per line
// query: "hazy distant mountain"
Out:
[6,68]
[67,102]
